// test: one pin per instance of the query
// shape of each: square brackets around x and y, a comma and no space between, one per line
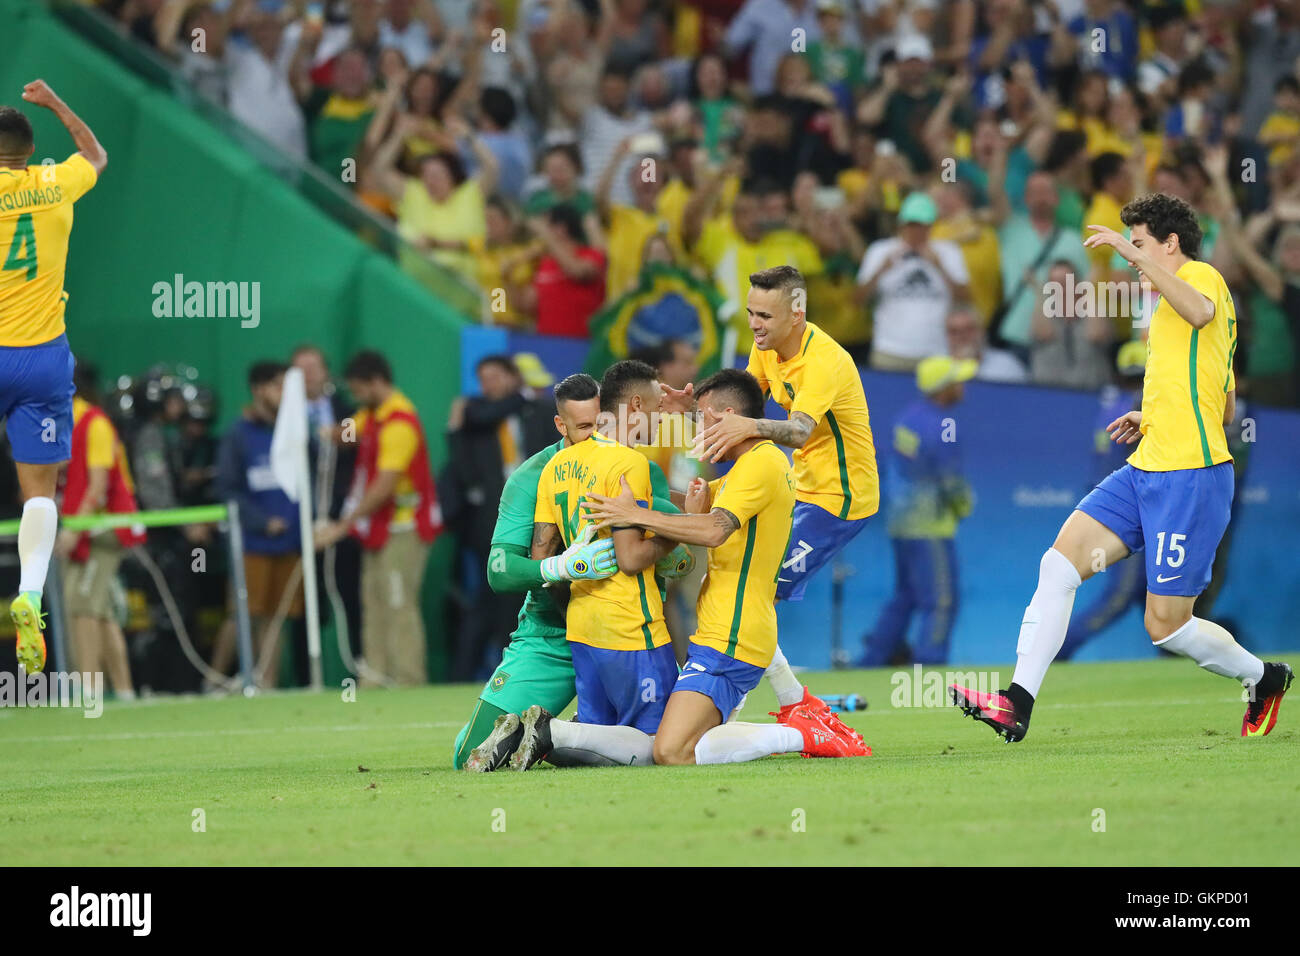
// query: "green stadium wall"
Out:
[178,197]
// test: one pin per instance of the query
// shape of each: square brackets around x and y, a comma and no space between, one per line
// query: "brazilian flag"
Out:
[667,303]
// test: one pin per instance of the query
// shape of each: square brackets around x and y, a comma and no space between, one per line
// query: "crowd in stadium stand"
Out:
[931,166]
[921,161]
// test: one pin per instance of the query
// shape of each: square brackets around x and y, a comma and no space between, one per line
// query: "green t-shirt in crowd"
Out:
[544,200]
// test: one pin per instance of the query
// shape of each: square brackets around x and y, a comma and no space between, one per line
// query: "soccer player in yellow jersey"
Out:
[836,486]
[1171,499]
[623,661]
[35,361]
[744,519]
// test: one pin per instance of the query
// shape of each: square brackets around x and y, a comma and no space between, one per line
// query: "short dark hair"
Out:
[455,167]
[784,278]
[567,150]
[1165,215]
[267,370]
[1104,167]
[579,387]
[742,390]
[368,365]
[620,378]
[505,361]
[86,380]
[654,355]
[16,137]
[498,106]
[567,217]
[1288,82]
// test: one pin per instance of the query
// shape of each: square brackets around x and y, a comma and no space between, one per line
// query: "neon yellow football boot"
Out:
[26,613]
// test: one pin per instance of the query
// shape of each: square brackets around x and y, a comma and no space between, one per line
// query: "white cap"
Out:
[914,46]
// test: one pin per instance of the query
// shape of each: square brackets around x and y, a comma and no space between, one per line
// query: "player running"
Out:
[1173,496]
[744,519]
[836,486]
[35,362]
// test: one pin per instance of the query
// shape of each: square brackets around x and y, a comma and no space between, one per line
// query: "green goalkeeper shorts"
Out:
[536,668]
[533,670]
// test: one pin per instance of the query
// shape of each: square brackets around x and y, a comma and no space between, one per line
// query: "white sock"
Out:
[1214,648]
[1042,631]
[36,533]
[738,741]
[786,686]
[622,745]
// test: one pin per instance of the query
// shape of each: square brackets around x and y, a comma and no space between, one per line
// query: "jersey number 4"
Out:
[22,250]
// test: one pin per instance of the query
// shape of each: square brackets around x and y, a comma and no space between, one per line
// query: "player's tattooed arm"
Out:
[725,521]
[793,433]
[546,540]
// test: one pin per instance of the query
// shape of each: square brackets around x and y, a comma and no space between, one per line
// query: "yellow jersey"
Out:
[35,223]
[736,614]
[623,612]
[1188,376]
[836,468]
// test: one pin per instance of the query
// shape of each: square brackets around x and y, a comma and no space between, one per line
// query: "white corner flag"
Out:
[292,473]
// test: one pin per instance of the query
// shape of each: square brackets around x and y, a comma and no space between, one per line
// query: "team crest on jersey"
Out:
[499,680]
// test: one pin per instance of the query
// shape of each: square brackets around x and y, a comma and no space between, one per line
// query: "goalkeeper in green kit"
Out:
[537,667]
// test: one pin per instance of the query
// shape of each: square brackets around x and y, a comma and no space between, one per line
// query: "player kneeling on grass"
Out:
[744,519]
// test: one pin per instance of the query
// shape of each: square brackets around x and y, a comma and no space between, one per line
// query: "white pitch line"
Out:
[170,734]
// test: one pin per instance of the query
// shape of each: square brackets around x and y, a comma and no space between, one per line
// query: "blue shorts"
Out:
[1177,517]
[723,679]
[816,536]
[36,400]
[623,688]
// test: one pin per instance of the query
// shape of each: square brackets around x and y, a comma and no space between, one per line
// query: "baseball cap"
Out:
[914,46]
[940,371]
[1132,358]
[918,207]
[532,370]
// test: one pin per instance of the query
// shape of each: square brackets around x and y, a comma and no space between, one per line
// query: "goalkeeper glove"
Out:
[583,560]
[677,563]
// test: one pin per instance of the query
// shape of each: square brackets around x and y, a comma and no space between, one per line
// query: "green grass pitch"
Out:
[1149,749]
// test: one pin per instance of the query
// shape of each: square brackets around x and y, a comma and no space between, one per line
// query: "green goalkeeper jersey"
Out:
[514,529]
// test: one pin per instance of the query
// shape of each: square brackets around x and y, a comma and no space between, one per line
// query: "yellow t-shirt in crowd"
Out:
[730,260]
[629,230]
[1188,376]
[490,261]
[979,247]
[1280,125]
[735,612]
[623,612]
[1102,211]
[836,468]
[459,218]
[35,223]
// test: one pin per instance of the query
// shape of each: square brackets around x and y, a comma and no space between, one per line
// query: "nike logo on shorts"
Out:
[1161,579]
